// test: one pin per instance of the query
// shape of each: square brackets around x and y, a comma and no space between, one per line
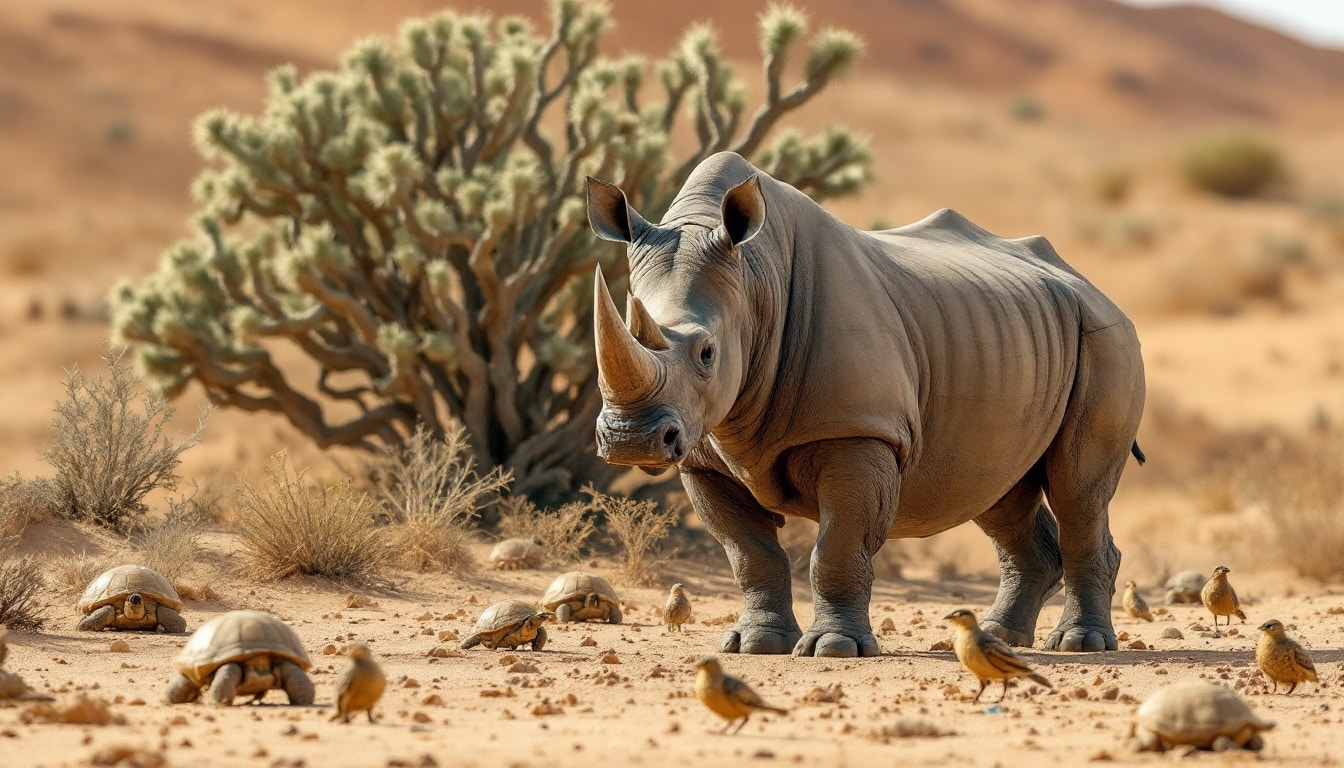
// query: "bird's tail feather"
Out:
[776,710]
[1038,678]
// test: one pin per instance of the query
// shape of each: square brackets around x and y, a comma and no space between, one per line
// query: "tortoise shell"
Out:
[516,553]
[1184,587]
[502,618]
[576,586]
[116,584]
[1197,713]
[237,636]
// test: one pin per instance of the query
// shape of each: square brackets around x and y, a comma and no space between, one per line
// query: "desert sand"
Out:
[96,103]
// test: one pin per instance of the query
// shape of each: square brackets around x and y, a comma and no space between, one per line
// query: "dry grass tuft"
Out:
[71,575]
[1233,164]
[22,501]
[109,447]
[20,581]
[638,528]
[172,545]
[290,526]
[433,497]
[563,532]
[1302,489]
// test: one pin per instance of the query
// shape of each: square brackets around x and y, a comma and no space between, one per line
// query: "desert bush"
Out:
[289,525]
[563,532]
[415,223]
[172,545]
[71,574]
[20,583]
[638,530]
[1027,109]
[433,497]
[109,447]
[1302,489]
[1232,164]
[1111,185]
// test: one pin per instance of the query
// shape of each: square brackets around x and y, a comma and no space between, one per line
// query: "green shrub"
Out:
[1233,164]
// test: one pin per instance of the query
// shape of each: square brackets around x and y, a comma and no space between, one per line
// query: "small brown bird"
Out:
[677,610]
[1133,602]
[1219,597]
[986,656]
[726,696]
[360,685]
[1281,658]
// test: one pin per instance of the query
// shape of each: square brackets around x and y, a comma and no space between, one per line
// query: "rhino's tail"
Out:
[1138,453]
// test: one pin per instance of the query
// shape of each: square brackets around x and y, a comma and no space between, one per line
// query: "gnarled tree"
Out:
[414,224]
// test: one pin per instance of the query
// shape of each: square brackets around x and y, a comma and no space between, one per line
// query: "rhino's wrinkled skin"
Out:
[884,384]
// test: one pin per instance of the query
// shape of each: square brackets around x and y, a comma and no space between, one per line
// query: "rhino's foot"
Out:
[759,639]
[837,645]
[1081,639]
[1007,634]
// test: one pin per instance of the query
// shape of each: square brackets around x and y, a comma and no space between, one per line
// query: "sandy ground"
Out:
[567,705]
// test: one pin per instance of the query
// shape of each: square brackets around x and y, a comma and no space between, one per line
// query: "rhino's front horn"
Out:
[626,371]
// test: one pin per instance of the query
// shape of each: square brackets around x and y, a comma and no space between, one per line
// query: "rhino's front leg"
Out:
[760,565]
[857,484]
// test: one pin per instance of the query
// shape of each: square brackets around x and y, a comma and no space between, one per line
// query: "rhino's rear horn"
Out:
[644,328]
[626,371]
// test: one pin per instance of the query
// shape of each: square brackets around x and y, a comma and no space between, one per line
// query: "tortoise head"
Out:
[537,619]
[135,607]
[962,618]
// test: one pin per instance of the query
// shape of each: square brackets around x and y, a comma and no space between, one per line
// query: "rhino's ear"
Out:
[743,212]
[611,215]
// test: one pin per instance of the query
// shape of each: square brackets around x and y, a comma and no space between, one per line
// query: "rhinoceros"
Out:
[884,384]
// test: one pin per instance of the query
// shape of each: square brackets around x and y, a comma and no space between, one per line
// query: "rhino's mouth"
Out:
[653,440]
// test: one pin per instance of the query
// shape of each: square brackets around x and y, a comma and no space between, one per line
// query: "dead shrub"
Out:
[563,532]
[20,581]
[71,575]
[21,501]
[1302,491]
[638,529]
[1111,185]
[109,447]
[433,496]
[172,545]
[289,525]
[1232,164]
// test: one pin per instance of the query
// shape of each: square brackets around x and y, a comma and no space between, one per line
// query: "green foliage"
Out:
[414,223]
[1233,164]
[109,447]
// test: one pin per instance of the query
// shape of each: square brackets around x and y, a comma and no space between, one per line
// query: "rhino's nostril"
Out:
[671,435]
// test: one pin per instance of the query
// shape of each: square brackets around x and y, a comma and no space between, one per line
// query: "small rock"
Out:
[547,708]
[442,652]
[330,650]
[941,645]
[610,657]
[588,642]
[410,682]
[507,659]
[1172,633]
[1100,757]
[1111,694]
[524,667]
[432,700]
[1122,637]
[763,754]
[1079,693]
[426,616]
[448,635]
[119,646]
[353,600]
[421,717]
[1137,645]
[887,625]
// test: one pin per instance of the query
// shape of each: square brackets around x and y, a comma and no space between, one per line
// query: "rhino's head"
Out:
[671,373]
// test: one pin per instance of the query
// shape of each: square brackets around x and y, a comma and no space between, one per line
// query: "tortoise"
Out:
[1184,587]
[579,596]
[509,624]
[516,554]
[1201,714]
[241,653]
[131,597]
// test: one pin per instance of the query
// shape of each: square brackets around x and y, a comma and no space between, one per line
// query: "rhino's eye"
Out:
[707,355]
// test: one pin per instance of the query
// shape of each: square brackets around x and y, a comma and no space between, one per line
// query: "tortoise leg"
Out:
[171,621]
[1255,743]
[182,691]
[614,615]
[298,686]
[564,613]
[1223,744]
[225,685]
[539,641]
[99,619]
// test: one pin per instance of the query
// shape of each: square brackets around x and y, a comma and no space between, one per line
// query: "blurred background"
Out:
[1187,160]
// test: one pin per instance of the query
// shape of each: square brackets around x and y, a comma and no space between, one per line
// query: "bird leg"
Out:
[1004,695]
[1291,688]
[983,685]
[741,723]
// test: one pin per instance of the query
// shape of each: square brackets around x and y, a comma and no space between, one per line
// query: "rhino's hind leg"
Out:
[1083,467]
[858,484]
[1027,540]
[750,538]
